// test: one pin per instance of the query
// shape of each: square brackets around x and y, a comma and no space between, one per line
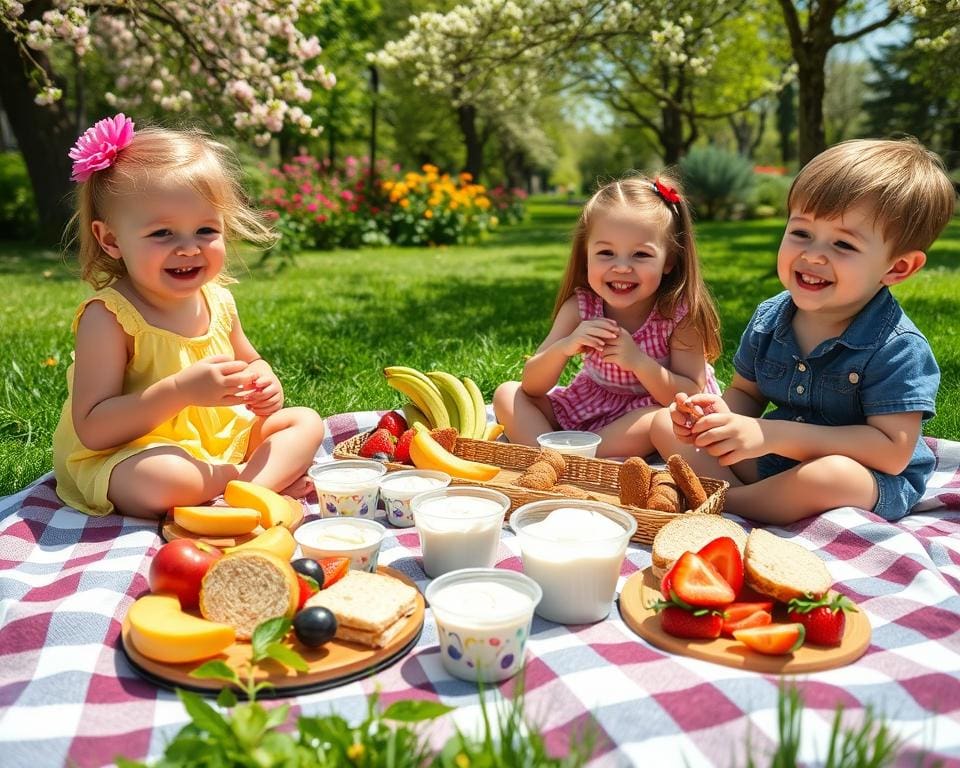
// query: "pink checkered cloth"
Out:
[68,695]
[602,392]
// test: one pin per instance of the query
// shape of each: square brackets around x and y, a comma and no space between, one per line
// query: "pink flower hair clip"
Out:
[99,145]
[667,194]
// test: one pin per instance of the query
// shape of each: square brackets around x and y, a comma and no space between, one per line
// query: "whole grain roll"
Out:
[690,533]
[782,569]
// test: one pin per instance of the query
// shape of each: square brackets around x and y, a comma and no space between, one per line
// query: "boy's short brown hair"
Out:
[905,183]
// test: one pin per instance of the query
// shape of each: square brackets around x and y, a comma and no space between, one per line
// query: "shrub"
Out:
[716,181]
[18,213]
[769,195]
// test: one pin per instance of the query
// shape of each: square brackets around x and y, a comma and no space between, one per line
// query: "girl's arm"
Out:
[104,417]
[268,397]
[687,372]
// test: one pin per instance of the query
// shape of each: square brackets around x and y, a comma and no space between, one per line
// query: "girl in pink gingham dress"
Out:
[634,305]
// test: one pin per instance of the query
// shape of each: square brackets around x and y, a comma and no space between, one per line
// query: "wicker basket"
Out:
[599,477]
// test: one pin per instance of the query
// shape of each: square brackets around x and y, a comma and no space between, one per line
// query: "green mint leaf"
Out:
[204,717]
[415,711]
[277,716]
[122,762]
[269,631]
[286,655]
[216,670]
[227,698]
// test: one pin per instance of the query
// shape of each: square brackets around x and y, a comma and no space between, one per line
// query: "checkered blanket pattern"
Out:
[68,696]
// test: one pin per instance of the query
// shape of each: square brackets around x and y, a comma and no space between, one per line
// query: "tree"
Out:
[245,64]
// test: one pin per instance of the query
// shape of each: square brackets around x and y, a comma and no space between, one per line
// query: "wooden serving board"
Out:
[643,589]
[169,530]
[332,664]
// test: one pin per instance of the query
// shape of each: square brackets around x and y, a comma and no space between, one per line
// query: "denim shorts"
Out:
[896,495]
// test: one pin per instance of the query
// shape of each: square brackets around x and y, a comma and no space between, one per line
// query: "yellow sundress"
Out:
[213,434]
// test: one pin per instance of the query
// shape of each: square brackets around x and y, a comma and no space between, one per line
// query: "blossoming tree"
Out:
[245,61]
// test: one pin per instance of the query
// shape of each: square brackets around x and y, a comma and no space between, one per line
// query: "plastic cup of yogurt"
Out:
[483,620]
[348,488]
[573,549]
[352,537]
[397,490]
[459,527]
[571,441]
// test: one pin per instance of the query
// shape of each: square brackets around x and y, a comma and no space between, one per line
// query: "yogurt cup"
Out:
[571,441]
[459,527]
[483,620]
[356,538]
[348,488]
[573,549]
[397,490]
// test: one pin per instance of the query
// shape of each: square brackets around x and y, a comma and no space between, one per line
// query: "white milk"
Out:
[571,442]
[574,554]
[341,477]
[458,530]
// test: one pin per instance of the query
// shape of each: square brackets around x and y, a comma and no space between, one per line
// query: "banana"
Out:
[453,389]
[427,453]
[479,409]
[413,415]
[421,391]
[493,431]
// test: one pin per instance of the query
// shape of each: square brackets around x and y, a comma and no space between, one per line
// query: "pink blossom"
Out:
[312,207]
[97,148]
[346,195]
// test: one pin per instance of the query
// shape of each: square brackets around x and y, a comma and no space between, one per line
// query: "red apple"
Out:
[179,567]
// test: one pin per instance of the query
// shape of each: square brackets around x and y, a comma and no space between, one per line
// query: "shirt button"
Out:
[801,367]
[854,377]
[799,389]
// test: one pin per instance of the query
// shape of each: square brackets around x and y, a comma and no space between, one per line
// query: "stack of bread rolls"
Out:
[675,489]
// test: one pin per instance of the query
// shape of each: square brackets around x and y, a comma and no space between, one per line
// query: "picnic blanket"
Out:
[68,695]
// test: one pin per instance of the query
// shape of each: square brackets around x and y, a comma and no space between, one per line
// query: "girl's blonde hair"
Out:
[159,159]
[683,284]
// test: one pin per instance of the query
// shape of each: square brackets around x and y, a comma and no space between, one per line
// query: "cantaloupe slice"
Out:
[273,508]
[216,521]
[161,631]
[277,540]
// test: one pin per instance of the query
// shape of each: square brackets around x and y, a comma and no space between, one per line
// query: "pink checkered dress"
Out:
[602,392]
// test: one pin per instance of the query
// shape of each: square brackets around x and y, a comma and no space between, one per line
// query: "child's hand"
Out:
[590,335]
[623,351]
[686,411]
[730,437]
[266,397]
[214,381]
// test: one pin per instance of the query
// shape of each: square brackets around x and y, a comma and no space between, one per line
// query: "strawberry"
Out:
[393,422]
[694,582]
[308,588]
[381,441]
[824,618]
[402,453]
[772,640]
[724,555]
[680,622]
[334,569]
[446,437]
[755,619]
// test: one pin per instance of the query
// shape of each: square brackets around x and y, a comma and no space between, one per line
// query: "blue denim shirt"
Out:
[880,364]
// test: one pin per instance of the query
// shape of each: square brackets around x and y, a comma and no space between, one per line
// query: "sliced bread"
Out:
[367,606]
[247,587]
[689,533]
[782,569]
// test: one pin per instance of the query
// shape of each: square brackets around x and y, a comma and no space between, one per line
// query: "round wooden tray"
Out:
[643,589]
[169,530]
[333,664]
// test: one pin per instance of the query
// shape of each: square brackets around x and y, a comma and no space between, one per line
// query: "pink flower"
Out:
[97,148]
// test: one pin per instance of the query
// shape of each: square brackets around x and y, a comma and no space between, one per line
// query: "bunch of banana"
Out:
[439,400]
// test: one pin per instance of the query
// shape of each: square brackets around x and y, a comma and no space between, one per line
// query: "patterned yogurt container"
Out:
[356,538]
[397,489]
[483,620]
[348,488]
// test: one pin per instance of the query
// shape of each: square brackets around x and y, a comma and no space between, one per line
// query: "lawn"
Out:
[329,323]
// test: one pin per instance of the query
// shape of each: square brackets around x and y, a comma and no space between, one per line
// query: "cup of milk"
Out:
[397,490]
[348,488]
[459,527]
[483,619]
[571,441]
[354,537]
[573,549]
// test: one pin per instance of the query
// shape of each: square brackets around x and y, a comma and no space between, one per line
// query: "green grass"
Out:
[333,320]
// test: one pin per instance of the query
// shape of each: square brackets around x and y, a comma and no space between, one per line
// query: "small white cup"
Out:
[483,619]
[348,488]
[571,441]
[325,538]
[397,490]
[459,527]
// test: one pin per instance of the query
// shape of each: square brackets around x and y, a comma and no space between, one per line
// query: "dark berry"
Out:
[309,567]
[381,456]
[315,626]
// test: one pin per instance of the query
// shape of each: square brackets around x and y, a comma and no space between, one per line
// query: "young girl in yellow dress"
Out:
[167,398]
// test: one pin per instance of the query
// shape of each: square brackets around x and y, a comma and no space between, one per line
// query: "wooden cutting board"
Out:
[643,589]
[169,530]
[332,664]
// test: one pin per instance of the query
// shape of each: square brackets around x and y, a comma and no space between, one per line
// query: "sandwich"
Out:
[782,569]
[690,533]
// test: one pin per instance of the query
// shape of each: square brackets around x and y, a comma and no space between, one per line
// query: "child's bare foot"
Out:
[299,488]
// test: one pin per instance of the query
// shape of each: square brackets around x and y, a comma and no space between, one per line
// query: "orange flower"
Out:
[428,214]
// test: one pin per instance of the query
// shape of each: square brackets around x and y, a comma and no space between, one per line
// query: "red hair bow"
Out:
[669,194]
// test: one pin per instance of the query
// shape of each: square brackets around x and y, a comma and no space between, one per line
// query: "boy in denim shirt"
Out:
[850,377]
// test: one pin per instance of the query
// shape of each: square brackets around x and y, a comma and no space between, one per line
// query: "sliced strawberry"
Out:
[402,452]
[393,422]
[381,441]
[308,588]
[749,595]
[824,619]
[334,569]
[724,555]
[697,583]
[755,619]
[772,640]
[680,622]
